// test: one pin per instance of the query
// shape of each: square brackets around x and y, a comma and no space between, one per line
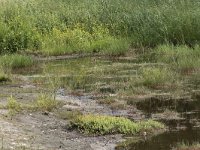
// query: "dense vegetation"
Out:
[111,27]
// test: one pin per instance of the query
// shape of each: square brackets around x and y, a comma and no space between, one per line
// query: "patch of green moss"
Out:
[101,125]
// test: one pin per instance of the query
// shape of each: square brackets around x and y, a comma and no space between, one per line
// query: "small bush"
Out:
[96,124]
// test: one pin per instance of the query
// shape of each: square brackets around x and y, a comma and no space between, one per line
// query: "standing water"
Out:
[184,130]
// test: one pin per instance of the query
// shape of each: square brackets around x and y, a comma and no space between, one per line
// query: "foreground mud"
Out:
[45,130]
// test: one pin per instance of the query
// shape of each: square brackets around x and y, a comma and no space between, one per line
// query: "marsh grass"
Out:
[101,125]
[14,61]
[43,103]
[182,57]
[13,106]
[156,77]
[59,27]
[46,103]
[3,76]
[78,40]
[184,146]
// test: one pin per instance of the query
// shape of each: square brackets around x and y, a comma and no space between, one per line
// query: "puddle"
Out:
[165,141]
[156,105]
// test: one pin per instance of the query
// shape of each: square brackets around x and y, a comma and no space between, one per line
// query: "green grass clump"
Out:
[3,76]
[46,103]
[13,106]
[153,77]
[15,61]
[181,57]
[100,125]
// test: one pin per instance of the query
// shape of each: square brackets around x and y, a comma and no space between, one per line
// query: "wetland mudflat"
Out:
[102,86]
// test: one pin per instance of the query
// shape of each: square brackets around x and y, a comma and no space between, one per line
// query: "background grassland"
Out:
[111,27]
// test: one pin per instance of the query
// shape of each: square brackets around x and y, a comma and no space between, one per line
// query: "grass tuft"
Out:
[3,76]
[153,77]
[13,106]
[15,61]
[46,103]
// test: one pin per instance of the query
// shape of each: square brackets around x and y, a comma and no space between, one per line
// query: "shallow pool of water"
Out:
[166,141]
